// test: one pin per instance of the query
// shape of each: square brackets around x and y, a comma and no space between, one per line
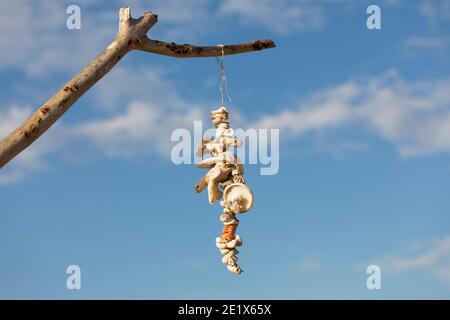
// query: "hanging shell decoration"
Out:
[225,178]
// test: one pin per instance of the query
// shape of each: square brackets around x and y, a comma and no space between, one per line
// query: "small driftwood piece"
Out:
[132,35]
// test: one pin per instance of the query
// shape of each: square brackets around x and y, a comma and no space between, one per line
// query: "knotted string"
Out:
[223,77]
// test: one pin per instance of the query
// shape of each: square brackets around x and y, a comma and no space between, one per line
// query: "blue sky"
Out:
[364,119]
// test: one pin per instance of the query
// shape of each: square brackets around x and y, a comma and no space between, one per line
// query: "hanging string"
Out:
[224,89]
[223,77]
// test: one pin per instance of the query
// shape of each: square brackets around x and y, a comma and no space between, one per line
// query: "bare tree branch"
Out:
[190,51]
[132,35]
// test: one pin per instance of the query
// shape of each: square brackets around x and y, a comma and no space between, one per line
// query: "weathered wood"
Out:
[190,51]
[132,35]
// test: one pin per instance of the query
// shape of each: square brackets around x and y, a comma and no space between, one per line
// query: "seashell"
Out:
[224,130]
[226,183]
[233,243]
[239,196]
[234,221]
[234,269]
[221,245]
[228,256]
[238,241]
[220,110]
[226,216]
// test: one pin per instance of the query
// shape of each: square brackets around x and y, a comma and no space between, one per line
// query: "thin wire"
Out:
[223,77]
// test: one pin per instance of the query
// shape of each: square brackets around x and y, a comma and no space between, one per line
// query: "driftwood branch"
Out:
[190,51]
[132,35]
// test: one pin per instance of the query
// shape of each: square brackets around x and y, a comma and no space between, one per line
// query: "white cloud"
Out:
[192,19]
[142,129]
[432,10]
[32,158]
[429,46]
[279,16]
[154,108]
[434,255]
[36,40]
[142,83]
[432,42]
[414,116]
[181,20]
[436,258]
[9,120]
[13,117]
[11,176]
[309,265]
[435,10]
[325,109]
[126,126]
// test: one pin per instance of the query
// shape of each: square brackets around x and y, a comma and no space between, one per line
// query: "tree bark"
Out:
[132,35]
[190,51]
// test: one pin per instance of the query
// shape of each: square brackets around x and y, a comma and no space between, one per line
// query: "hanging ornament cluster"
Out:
[225,180]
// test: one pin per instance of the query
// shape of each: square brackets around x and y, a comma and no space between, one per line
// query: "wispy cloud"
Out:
[431,45]
[325,109]
[435,258]
[427,42]
[13,116]
[142,83]
[435,10]
[183,20]
[309,264]
[33,158]
[125,126]
[153,108]
[279,16]
[9,120]
[433,39]
[142,129]
[414,116]
[35,38]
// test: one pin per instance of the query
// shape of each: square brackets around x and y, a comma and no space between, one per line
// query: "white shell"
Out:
[241,193]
